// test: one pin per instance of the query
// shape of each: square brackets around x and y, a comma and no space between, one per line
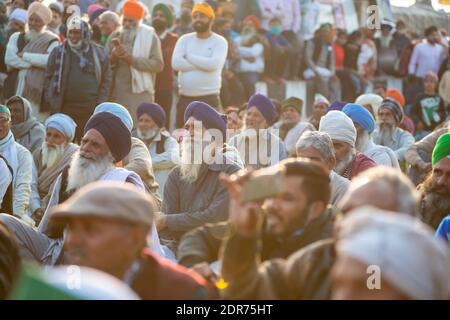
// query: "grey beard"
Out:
[385,133]
[435,207]
[190,162]
[128,36]
[84,171]
[75,45]
[32,35]
[147,134]
[343,163]
[362,140]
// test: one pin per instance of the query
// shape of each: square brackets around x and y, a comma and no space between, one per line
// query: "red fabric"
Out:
[338,56]
[396,95]
[360,164]
[407,124]
[254,20]
[164,79]
[160,279]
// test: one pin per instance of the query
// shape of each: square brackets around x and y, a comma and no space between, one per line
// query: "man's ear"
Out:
[316,209]
[332,163]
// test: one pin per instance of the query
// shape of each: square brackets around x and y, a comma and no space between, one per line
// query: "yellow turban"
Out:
[204,8]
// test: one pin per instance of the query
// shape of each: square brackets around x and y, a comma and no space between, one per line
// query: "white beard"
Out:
[362,141]
[76,45]
[51,155]
[189,165]
[147,134]
[342,164]
[386,132]
[83,171]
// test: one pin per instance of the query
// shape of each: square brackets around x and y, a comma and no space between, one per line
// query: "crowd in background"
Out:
[105,106]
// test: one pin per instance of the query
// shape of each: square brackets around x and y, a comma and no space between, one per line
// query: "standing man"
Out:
[162,20]
[136,57]
[199,58]
[78,75]
[27,55]
[109,23]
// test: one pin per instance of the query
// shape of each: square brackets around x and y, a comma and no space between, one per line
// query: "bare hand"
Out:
[37,215]
[246,217]
[205,271]
[160,221]
[20,54]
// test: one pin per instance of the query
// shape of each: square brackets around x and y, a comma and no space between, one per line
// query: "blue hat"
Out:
[209,117]
[360,115]
[264,105]
[117,110]
[114,131]
[63,123]
[154,110]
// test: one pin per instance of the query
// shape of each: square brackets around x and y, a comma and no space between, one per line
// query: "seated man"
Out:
[340,128]
[20,161]
[258,146]
[435,204]
[106,141]
[27,130]
[107,229]
[388,133]
[290,126]
[372,237]
[50,160]
[365,125]
[320,108]
[289,225]
[306,274]
[318,147]
[163,149]
[193,194]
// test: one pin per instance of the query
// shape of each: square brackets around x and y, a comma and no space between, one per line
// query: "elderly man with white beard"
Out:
[27,54]
[136,57]
[193,194]
[365,125]
[342,131]
[50,160]
[106,141]
[258,145]
[390,115]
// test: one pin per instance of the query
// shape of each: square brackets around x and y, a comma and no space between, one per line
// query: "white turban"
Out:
[41,10]
[63,123]
[20,15]
[339,127]
[404,249]
[371,99]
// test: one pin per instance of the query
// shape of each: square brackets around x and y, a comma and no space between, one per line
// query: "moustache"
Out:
[88,155]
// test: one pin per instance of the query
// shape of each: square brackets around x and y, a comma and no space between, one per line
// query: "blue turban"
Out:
[63,123]
[360,115]
[336,106]
[264,105]
[114,131]
[209,117]
[117,110]
[153,110]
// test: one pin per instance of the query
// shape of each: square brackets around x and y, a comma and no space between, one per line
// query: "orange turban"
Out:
[204,8]
[133,9]
[396,95]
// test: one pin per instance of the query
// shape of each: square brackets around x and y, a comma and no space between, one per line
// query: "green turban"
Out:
[167,13]
[4,109]
[441,149]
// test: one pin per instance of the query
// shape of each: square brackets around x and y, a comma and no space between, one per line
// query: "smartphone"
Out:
[265,183]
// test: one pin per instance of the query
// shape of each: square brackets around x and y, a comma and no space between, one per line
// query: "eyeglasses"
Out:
[4,120]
